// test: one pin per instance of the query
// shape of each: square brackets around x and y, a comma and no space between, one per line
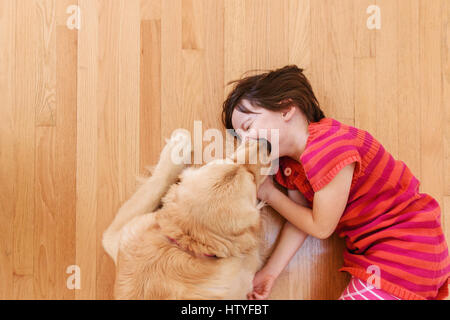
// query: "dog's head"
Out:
[213,209]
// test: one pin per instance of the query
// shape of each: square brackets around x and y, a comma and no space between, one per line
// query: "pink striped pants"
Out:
[360,290]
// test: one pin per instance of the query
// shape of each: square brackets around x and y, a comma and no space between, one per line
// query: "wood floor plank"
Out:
[87,149]
[192,76]
[446,90]
[387,77]
[46,114]
[266,30]
[196,63]
[213,64]
[364,37]
[108,135]
[150,9]
[171,67]
[234,43]
[192,24]
[118,122]
[8,164]
[150,91]
[319,27]
[364,90]
[408,81]
[338,59]
[66,152]
[27,82]
[46,215]
[299,34]
[432,106]
[46,197]
[54,236]
[259,42]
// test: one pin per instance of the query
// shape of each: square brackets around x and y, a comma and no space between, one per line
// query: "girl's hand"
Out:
[265,189]
[262,285]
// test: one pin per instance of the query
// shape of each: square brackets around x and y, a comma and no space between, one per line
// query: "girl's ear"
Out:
[288,113]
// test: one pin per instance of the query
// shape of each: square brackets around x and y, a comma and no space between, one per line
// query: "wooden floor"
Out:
[83,111]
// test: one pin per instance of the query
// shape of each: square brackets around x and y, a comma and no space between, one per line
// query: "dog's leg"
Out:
[148,196]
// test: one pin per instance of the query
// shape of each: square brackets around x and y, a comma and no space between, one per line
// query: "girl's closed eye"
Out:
[245,125]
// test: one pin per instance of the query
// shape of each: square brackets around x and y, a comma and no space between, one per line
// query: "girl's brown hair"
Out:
[273,90]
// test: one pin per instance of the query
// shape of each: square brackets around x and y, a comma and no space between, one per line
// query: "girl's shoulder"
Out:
[330,146]
[329,133]
[327,127]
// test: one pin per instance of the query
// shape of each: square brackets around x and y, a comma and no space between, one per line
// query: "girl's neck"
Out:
[298,143]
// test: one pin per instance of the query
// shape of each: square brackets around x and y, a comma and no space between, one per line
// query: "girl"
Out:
[340,178]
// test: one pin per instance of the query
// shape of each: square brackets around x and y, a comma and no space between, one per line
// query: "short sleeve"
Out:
[281,177]
[324,160]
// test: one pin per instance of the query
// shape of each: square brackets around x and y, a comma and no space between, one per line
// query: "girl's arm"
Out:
[328,205]
[291,239]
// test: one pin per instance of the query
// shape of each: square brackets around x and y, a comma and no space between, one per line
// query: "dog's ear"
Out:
[222,247]
[228,177]
[199,239]
[202,240]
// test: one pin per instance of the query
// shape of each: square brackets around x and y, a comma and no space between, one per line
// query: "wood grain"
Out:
[118,115]
[431,99]
[387,40]
[27,82]
[150,93]
[85,111]
[409,131]
[446,89]
[8,145]
[87,148]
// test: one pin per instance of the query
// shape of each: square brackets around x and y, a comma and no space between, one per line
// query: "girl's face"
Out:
[249,125]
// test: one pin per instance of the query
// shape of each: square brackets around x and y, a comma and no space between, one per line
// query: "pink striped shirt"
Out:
[388,225]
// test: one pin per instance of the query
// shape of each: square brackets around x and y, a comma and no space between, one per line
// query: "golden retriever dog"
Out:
[191,233]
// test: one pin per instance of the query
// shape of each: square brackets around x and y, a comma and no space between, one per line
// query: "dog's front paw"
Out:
[178,148]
